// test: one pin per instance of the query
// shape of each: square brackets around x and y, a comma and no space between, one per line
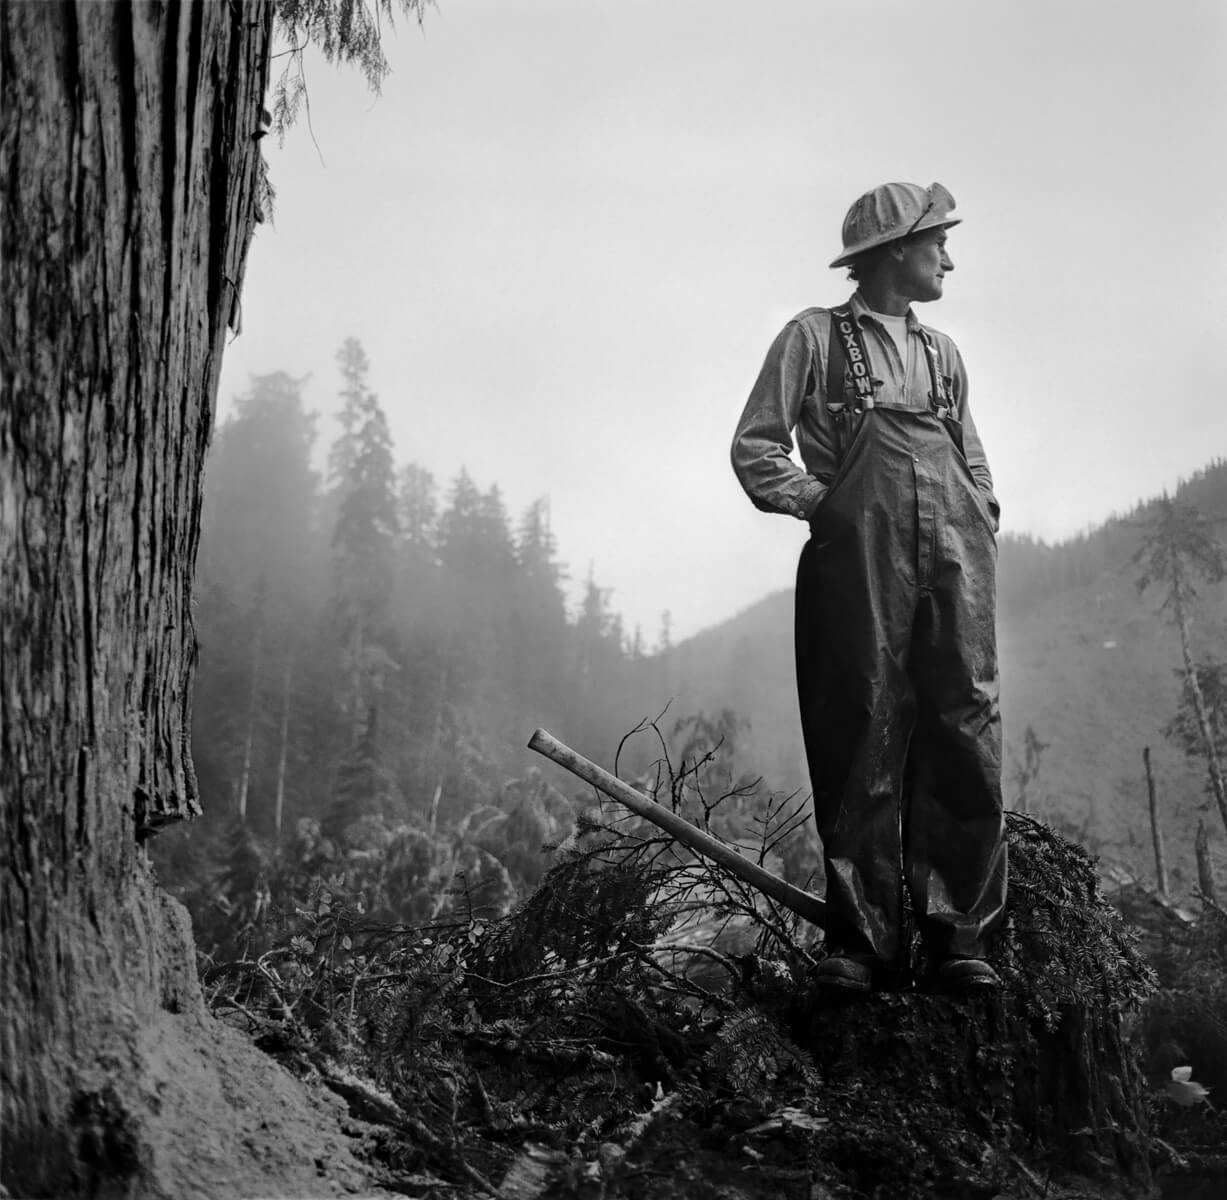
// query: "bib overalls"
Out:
[897,677]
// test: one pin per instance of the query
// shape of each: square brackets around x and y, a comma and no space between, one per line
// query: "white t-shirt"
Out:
[897,328]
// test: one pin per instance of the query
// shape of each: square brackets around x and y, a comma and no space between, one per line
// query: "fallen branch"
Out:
[793,898]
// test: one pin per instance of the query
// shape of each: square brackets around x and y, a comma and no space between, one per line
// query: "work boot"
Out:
[842,971]
[961,975]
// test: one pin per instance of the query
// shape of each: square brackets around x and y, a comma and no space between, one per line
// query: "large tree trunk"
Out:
[130,177]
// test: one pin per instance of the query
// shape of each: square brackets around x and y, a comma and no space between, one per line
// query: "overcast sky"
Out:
[567,232]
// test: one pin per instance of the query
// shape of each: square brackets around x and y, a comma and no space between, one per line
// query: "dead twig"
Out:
[700,951]
[554,976]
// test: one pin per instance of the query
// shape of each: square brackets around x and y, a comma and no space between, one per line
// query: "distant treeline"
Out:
[1030,569]
[369,645]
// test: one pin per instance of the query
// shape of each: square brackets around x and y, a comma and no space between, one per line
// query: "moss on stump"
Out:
[928,1093]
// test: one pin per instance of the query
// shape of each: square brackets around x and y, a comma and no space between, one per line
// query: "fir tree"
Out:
[1177,548]
[591,629]
[363,478]
[459,528]
[475,541]
[1185,728]
[536,555]
[540,637]
[497,549]
[418,508]
[362,788]
[259,568]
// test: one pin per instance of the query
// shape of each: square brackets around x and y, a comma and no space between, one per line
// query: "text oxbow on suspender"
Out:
[848,362]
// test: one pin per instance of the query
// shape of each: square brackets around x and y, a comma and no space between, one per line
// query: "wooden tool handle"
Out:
[792,898]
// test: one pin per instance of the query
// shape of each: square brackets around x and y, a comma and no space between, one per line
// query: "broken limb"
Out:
[793,898]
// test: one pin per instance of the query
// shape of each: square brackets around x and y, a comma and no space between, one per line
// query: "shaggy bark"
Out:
[129,180]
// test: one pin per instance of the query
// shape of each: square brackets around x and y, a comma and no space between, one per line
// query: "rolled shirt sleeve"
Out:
[763,443]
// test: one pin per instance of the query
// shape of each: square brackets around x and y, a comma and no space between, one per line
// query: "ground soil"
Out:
[219,1118]
[184,1108]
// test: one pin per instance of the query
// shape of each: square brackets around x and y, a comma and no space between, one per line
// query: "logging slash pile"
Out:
[644,1025]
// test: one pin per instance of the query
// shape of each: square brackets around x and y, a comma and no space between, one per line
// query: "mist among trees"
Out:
[375,647]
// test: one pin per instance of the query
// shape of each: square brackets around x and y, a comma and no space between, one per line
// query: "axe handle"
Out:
[792,898]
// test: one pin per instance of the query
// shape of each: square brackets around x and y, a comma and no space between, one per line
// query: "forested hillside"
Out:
[1088,665]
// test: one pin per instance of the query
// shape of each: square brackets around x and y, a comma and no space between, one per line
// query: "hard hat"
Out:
[894,210]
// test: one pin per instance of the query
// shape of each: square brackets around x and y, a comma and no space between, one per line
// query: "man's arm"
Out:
[763,441]
[973,448]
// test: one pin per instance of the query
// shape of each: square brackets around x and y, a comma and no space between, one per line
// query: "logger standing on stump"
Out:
[895,602]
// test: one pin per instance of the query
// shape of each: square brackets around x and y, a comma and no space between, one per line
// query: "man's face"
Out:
[923,265]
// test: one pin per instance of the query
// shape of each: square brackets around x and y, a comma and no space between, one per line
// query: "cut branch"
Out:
[805,905]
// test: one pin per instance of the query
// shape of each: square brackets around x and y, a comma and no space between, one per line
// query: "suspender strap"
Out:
[940,399]
[850,382]
[840,393]
[837,364]
[848,354]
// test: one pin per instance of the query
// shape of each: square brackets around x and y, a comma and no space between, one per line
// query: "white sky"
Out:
[567,232]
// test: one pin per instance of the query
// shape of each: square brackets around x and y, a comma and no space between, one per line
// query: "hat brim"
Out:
[873,243]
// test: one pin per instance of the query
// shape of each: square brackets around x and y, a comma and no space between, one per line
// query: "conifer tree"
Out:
[362,787]
[1179,546]
[591,630]
[413,701]
[599,638]
[536,554]
[418,508]
[540,608]
[363,478]
[475,541]
[498,554]
[664,651]
[1185,728]
[259,568]
[459,528]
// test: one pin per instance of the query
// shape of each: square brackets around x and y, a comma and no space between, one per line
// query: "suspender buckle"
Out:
[942,393]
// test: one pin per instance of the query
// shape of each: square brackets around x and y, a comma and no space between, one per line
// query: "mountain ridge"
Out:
[1087,664]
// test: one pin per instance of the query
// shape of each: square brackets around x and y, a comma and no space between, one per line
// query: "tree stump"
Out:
[926,1086]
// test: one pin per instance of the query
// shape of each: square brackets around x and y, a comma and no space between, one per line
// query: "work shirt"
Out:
[790,395]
